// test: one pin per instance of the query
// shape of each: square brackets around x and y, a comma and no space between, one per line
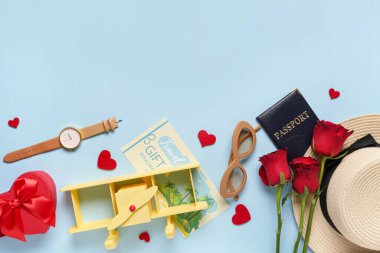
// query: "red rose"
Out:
[272,165]
[328,138]
[306,173]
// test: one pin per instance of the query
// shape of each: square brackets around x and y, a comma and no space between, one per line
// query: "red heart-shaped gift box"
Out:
[31,223]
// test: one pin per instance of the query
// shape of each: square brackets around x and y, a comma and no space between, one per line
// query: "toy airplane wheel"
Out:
[112,240]
[170,231]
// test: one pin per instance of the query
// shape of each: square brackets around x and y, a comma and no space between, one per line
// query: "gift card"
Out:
[160,146]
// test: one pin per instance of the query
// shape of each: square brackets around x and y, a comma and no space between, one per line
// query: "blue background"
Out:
[201,64]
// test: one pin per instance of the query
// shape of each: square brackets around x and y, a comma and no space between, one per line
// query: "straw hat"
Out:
[353,197]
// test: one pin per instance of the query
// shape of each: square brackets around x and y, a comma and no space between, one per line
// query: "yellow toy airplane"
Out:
[135,200]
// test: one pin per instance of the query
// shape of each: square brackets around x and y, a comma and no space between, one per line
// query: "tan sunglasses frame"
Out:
[235,157]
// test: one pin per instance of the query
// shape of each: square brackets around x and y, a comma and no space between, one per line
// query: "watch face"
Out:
[70,138]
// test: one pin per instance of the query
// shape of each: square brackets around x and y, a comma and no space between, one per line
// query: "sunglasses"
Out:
[242,133]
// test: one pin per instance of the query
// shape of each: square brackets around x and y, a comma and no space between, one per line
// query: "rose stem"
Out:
[300,229]
[312,206]
[279,219]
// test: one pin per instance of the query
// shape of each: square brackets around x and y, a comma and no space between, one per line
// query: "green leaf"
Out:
[285,198]
[338,157]
[282,178]
[318,193]
[306,190]
[321,190]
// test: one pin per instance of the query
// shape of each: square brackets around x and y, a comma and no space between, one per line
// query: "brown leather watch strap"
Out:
[52,144]
[39,148]
[102,127]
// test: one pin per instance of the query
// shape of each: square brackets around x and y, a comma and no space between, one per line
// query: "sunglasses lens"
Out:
[236,179]
[245,141]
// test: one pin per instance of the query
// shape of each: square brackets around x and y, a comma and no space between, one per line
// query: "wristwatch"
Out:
[69,139]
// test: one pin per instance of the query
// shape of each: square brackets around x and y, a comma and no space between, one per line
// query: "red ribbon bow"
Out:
[22,195]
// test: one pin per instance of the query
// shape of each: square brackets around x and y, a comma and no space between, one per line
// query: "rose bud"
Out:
[272,165]
[306,173]
[328,138]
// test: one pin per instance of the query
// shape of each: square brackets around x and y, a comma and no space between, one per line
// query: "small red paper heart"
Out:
[105,161]
[241,215]
[14,122]
[334,93]
[205,138]
[144,236]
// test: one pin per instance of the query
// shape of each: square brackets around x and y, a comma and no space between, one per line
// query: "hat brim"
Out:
[323,237]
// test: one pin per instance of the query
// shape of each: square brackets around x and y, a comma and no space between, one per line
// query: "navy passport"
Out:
[290,124]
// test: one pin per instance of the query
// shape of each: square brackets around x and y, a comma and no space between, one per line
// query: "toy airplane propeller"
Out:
[135,200]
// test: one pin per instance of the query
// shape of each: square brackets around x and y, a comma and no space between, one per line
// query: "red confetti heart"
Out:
[241,215]
[105,161]
[144,236]
[205,138]
[14,122]
[334,93]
